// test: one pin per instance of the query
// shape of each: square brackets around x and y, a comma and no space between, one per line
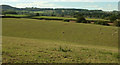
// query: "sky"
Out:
[106,5]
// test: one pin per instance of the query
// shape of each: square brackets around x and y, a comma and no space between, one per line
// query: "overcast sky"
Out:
[106,5]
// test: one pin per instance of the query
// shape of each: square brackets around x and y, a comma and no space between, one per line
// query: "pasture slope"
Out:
[41,41]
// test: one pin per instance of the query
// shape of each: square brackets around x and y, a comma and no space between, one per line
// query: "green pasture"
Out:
[63,31]
[50,41]
[26,50]
[16,15]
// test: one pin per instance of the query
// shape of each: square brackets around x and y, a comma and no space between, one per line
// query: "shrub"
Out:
[62,49]
[117,23]
[37,14]
[81,19]
[65,49]
[102,23]
[9,12]
[112,18]
[88,21]
[66,20]
[84,21]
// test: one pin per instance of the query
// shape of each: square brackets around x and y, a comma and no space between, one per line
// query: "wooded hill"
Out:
[60,12]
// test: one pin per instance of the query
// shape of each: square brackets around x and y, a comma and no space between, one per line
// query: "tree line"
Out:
[80,14]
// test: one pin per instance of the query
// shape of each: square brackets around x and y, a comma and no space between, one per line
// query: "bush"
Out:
[81,19]
[66,20]
[88,21]
[84,21]
[102,23]
[37,14]
[117,23]
[65,49]
[62,49]
[9,12]
[112,18]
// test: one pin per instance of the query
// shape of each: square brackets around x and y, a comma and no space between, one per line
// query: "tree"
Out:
[8,12]
[113,18]
[37,14]
[66,20]
[117,23]
[102,23]
[81,19]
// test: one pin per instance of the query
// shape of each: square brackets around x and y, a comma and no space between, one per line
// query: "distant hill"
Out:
[59,12]
[7,7]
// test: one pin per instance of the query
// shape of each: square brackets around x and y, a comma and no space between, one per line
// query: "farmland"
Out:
[16,15]
[53,17]
[51,41]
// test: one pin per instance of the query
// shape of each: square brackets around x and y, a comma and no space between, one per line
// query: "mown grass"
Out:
[48,41]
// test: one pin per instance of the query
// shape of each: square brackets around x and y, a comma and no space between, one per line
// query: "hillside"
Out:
[48,41]
[7,7]
[26,50]
[87,34]
[59,12]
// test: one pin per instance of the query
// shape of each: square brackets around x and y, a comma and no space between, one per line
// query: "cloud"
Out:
[100,8]
[14,0]
[110,5]
[60,0]
[38,4]
[85,0]
[73,0]
[92,6]
[63,4]
[9,1]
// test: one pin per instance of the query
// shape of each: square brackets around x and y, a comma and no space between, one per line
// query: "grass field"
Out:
[53,17]
[48,41]
[16,15]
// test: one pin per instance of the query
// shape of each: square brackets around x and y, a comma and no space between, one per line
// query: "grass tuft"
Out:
[62,49]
